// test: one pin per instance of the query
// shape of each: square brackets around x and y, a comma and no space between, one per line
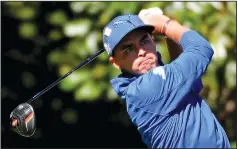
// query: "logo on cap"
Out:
[115,24]
[107,32]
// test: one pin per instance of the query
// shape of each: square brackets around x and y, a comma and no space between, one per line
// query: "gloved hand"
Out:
[153,16]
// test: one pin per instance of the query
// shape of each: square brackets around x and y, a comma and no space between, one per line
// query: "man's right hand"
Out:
[153,16]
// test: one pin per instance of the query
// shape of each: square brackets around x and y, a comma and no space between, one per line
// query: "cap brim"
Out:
[148,28]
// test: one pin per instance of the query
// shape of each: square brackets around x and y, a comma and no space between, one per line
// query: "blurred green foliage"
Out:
[216,21]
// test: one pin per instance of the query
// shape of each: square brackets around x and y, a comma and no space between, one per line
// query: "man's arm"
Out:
[173,36]
[174,49]
[169,84]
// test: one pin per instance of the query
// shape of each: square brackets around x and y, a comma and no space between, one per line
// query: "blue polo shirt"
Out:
[165,104]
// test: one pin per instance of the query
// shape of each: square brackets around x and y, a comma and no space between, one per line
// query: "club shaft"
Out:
[58,80]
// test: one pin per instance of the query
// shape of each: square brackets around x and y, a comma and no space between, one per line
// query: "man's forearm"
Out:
[175,31]
[174,49]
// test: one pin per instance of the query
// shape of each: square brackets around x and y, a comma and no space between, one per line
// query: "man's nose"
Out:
[141,52]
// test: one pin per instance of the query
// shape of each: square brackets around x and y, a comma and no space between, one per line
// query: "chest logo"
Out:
[160,71]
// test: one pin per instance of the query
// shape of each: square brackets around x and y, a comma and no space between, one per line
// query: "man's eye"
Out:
[128,49]
[145,41]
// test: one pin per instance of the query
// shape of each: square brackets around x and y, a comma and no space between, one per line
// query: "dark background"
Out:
[94,128]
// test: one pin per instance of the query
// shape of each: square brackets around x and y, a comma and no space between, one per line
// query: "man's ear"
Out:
[112,60]
[153,38]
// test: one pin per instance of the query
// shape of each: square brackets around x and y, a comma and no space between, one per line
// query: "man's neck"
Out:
[127,74]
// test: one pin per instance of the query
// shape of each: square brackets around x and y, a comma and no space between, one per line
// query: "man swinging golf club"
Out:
[163,100]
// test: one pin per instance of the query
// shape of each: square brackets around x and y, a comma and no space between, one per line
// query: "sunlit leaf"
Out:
[77,46]
[232,8]
[27,30]
[95,7]
[104,57]
[154,4]
[162,48]
[219,46]
[78,7]
[232,31]
[195,7]
[212,20]
[13,4]
[174,9]
[55,35]
[57,17]
[67,84]
[230,74]
[131,7]
[113,72]
[211,83]
[233,144]
[77,27]
[99,71]
[106,15]
[217,5]
[25,12]
[74,79]
[112,95]
[54,57]
[92,41]
[63,57]
[88,91]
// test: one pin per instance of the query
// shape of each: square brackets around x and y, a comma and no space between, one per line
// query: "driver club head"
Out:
[22,120]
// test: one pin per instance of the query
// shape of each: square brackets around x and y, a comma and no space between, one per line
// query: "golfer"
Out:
[163,101]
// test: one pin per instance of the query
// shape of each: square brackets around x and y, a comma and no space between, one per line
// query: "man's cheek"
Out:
[135,66]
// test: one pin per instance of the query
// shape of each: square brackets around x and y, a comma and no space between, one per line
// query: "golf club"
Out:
[22,118]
